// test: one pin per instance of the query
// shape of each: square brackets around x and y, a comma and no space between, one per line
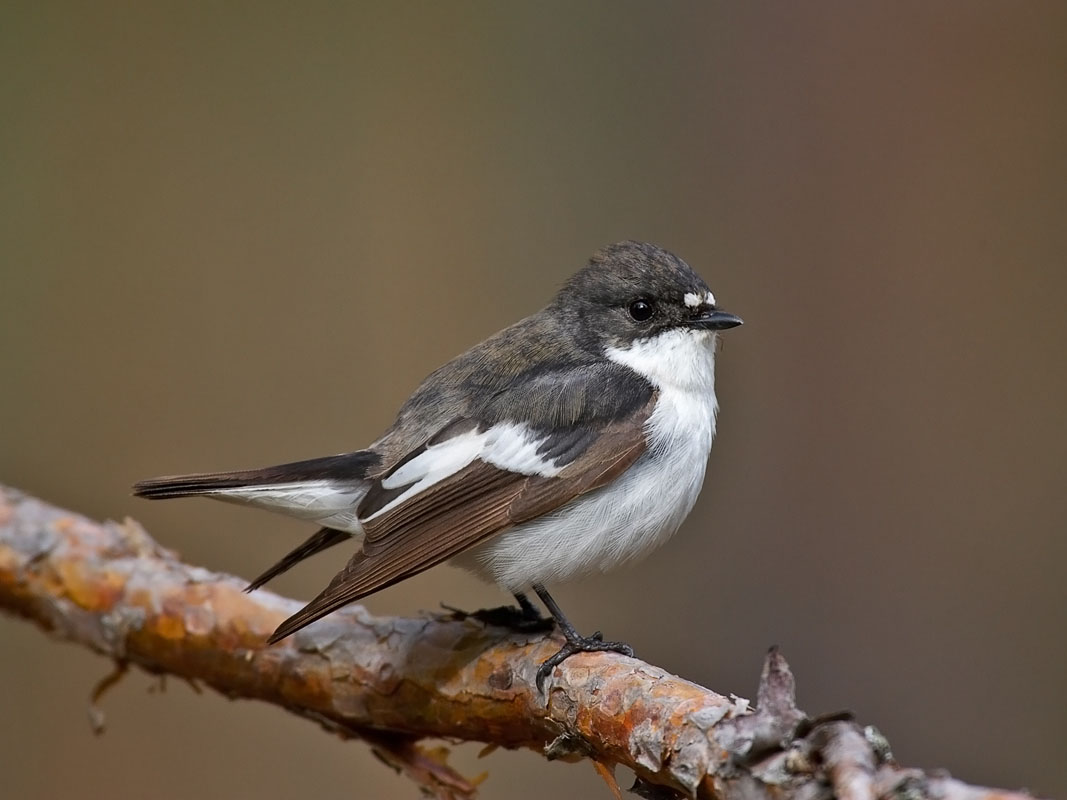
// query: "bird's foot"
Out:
[521,620]
[579,644]
[517,619]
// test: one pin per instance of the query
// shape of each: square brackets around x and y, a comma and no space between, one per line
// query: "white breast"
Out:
[645,506]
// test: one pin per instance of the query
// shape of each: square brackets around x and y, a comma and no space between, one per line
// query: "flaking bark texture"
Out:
[394,682]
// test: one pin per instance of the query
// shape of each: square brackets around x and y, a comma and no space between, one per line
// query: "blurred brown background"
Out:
[235,235]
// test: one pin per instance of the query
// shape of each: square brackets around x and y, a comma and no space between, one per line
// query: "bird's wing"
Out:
[471,482]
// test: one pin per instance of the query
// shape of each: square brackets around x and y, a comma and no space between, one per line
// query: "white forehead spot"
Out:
[711,298]
[692,299]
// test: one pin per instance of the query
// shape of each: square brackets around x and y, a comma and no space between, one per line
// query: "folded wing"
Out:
[467,485]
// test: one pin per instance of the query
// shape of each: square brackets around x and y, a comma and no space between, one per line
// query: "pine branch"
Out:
[394,682]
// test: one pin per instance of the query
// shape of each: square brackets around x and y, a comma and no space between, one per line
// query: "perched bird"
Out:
[568,443]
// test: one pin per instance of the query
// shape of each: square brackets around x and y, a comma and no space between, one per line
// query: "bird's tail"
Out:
[348,468]
[325,490]
[319,541]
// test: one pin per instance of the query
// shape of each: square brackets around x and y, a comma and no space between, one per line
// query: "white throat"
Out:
[676,359]
[680,363]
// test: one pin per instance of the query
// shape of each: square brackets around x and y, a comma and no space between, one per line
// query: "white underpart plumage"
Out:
[646,505]
[330,503]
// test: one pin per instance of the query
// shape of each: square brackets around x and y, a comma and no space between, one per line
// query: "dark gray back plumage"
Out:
[493,381]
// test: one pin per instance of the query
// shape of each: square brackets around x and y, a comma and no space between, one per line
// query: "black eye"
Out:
[641,310]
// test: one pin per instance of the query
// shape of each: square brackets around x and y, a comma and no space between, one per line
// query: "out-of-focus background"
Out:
[232,235]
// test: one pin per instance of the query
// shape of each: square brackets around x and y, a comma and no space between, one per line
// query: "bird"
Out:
[569,443]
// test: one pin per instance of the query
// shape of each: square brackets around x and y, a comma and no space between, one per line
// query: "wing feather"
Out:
[466,508]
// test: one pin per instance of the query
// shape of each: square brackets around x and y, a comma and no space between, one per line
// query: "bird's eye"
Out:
[641,310]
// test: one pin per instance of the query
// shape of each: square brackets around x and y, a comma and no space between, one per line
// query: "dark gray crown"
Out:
[602,294]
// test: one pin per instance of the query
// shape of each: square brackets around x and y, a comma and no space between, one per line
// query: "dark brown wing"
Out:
[465,509]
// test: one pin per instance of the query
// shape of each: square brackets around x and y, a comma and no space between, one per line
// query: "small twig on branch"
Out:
[395,682]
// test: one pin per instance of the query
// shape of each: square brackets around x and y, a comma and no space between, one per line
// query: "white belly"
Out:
[641,509]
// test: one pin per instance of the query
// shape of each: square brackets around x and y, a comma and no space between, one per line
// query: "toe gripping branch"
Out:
[576,643]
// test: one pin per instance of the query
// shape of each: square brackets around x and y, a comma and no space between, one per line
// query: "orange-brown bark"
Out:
[394,682]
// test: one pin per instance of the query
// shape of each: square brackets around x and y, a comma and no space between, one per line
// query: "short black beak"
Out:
[715,321]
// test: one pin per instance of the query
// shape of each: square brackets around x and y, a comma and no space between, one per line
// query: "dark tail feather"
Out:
[320,540]
[192,485]
[345,467]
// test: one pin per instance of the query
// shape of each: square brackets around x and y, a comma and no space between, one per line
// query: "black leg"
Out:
[575,642]
[529,610]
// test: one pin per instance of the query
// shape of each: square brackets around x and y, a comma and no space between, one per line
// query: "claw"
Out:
[578,644]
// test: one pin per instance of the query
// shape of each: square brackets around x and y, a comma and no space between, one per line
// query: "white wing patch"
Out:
[509,446]
[512,446]
[437,461]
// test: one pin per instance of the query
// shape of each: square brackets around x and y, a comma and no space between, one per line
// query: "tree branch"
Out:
[394,682]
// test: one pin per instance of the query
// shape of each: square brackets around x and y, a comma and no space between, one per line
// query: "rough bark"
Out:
[395,682]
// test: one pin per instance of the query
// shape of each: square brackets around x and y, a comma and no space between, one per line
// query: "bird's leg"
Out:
[525,619]
[529,610]
[576,643]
